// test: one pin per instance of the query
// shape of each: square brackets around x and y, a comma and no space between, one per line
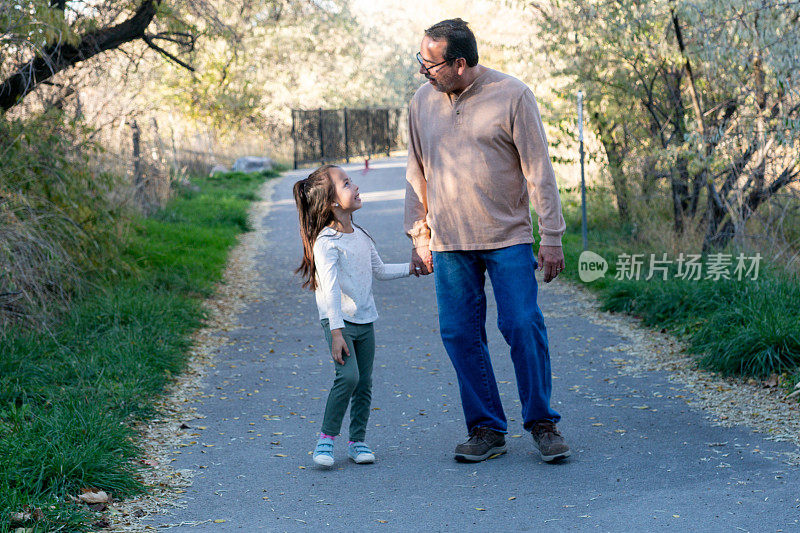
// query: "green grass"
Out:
[748,327]
[68,396]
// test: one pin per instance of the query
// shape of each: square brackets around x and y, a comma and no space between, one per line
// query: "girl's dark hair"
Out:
[313,196]
[460,40]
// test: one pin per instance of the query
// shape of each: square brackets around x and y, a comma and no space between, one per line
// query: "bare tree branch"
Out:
[149,40]
[688,66]
[59,56]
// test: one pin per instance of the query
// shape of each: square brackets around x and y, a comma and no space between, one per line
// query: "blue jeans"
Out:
[460,278]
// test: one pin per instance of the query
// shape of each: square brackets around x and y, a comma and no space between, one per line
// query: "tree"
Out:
[49,36]
[746,105]
[702,94]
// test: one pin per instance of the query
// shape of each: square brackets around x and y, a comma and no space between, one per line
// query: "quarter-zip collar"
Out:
[455,99]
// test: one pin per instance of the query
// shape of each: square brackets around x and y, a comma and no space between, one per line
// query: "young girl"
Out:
[339,260]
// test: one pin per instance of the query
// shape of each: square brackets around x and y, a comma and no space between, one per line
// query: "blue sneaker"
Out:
[360,453]
[323,453]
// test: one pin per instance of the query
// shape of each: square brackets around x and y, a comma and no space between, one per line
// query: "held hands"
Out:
[551,261]
[421,261]
[339,347]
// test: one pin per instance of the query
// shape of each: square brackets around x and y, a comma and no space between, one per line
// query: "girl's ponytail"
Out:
[313,196]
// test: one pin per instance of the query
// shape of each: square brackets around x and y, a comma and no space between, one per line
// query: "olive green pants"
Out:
[353,382]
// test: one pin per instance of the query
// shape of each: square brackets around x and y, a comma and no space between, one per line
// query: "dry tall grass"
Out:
[68,193]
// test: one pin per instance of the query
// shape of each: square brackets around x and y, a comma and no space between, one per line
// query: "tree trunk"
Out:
[718,237]
[680,193]
[680,174]
[138,174]
[650,177]
[615,156]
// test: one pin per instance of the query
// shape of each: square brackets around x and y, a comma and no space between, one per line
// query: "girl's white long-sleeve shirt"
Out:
[345,264]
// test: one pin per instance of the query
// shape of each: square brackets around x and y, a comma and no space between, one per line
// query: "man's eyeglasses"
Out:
[428,69]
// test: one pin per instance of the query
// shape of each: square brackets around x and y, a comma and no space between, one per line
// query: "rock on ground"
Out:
[253,164]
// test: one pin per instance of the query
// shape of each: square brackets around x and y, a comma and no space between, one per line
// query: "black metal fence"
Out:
[325,135]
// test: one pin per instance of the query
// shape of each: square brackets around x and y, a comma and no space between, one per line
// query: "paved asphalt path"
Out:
[642,460]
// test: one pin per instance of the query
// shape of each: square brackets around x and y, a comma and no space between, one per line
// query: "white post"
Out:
[584,230]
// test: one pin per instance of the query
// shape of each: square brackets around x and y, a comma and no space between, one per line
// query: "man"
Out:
[477,154]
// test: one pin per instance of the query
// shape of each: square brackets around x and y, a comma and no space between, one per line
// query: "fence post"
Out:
[371,122]
[175,166]
[321,140]
[346,138]
[138,179]
[294,136]
[583,181]
[386,131]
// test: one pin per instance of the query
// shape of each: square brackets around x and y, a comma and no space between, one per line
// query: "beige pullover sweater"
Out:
[474,163]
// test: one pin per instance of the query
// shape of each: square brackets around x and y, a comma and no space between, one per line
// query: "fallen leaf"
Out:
[91,496]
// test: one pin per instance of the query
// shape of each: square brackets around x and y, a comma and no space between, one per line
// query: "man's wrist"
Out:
[550,240]
[421,241]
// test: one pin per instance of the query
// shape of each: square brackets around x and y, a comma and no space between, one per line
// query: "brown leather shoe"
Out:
[482,444]
[548,439]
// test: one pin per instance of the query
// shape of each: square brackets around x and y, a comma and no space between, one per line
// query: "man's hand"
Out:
[551,261]
[338,347]
[422,259]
